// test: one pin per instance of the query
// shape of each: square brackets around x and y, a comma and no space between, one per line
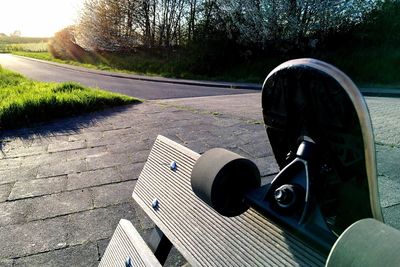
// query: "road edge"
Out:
[373,92]
[231,85]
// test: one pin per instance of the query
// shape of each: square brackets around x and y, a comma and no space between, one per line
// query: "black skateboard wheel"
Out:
[367,242]
[221,179]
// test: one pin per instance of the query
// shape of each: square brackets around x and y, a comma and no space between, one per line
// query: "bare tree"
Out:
[125,24]
[260,21]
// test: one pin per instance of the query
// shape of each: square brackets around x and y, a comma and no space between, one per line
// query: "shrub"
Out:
[64,46]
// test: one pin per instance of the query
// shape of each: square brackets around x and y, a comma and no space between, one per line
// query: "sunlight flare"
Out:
[41,18]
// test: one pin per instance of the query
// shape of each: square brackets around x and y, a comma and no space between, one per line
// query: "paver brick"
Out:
[81,255]
[112,194]
[6,262]
[43,207]
[199,134]
[42,159]
[65,145]
[107,160]
[111,134]
[93,178]
[102,245]
[25,151]
[12,175]
[130,171]
[257,149]
[143,221]
[13,213]
[129,146]
[82,154]
[199,146]
[59,204]
[97,224]
[8,164]
[33,237]
[61,168]
[5,190]
[385,120]
[38,187]
[100,142]
[389,189]
[388,159]
[391,215]
[267,165]
[139,156]
[227,141]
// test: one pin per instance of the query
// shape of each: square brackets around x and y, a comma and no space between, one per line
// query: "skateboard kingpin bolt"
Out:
[173,166]
[155,203]
[279,195]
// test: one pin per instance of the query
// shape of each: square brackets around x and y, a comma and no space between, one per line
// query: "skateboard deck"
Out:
[307,99]
[321,135]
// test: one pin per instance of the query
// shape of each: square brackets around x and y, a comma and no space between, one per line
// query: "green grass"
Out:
[24,101]
[38,55]
[47,56]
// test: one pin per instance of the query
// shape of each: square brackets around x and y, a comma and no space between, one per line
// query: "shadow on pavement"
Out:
[57,127]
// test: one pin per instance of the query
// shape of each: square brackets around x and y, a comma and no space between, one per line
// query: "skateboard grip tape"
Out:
[367,242]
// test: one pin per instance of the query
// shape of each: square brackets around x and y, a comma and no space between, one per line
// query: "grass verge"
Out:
[24,101]
[152,66]
[47,56]
[101,64]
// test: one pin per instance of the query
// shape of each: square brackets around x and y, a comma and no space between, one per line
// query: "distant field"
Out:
[22,40]
[26,44]
[28,47]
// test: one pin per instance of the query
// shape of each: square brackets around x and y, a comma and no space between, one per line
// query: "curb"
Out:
[244,86]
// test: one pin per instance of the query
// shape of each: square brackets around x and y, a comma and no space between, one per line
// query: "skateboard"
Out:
[321,135]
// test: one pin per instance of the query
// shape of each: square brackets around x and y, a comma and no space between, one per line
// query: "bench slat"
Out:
[204,237]
[127,242]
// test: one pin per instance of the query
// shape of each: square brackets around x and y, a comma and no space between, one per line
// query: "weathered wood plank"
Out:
[127,242]
[204,237]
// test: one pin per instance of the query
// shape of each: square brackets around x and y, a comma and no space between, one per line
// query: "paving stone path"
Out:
[65,185]
[385,114]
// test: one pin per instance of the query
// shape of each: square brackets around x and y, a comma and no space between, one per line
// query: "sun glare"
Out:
[40,18]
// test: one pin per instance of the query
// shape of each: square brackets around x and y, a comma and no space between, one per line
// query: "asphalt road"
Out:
[43,71]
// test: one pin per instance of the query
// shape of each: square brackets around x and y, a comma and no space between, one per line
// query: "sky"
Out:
[37,18]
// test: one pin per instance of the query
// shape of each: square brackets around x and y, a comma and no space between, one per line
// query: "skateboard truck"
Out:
[289,200]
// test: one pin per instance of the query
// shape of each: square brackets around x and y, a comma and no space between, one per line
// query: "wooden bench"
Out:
[200,234]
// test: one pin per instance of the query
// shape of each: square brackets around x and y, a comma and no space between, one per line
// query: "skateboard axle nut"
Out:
[285,196]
